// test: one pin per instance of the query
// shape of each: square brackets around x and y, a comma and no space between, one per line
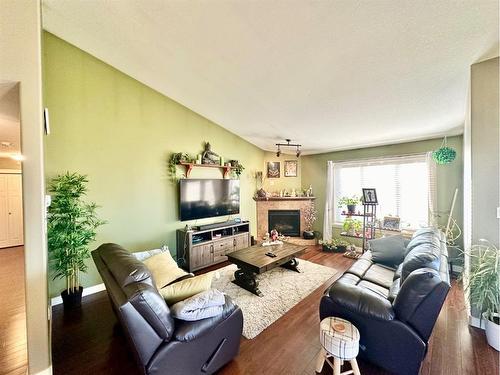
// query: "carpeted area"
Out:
[282,290]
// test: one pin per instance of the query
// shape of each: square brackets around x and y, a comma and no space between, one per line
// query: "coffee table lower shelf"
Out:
[247,279]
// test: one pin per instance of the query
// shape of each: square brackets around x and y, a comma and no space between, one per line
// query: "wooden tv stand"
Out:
[204,248]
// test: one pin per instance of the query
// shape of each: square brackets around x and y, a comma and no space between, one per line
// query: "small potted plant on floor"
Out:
[350,203]
[483,287]
[335,245]
[309,219]
[71,226]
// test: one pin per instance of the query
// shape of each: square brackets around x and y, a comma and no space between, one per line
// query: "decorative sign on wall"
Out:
[291,168]
[273,169]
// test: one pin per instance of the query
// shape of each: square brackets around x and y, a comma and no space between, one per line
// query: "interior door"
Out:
[11,210]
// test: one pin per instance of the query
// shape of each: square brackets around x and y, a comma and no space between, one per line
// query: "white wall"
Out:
[20,60]
[485,150]
[482,160]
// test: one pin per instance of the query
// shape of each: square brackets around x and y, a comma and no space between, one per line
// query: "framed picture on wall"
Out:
[291,168]
[391,223]
[273,169]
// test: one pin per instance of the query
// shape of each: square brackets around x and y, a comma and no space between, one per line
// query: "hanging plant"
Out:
[174,160]
[238,169]
[444,154]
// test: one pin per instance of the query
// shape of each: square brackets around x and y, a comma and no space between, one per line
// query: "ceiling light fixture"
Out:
[288,144]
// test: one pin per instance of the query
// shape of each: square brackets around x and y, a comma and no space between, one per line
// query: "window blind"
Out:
[404,185]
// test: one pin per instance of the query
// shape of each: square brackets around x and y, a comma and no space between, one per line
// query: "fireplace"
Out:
[286,222]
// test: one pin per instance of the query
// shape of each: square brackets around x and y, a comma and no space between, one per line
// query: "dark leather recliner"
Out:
[162,344]
[394,308]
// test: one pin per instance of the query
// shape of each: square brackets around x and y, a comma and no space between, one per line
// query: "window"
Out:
[403,186]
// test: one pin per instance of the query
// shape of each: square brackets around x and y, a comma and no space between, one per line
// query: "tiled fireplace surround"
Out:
[287,203]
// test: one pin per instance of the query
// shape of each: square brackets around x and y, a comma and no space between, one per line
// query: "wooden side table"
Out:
[340,345]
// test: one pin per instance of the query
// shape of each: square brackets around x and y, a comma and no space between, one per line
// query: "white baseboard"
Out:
[86,291]
[476,322]
[47,371]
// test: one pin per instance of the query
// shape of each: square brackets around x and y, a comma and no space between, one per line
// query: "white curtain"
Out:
[329,208]
[432,202]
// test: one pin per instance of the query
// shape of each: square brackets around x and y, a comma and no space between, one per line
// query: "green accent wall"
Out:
[449,176]
[120,133]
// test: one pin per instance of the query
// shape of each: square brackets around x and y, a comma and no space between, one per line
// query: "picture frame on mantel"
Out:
[290,169]
[273,169]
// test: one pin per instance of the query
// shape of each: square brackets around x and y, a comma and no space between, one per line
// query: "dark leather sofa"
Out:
[394,308]
[162,344]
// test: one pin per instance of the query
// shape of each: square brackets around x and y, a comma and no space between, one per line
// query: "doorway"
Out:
[13,340]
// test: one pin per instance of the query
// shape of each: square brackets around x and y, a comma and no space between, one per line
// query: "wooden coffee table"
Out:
[253,260]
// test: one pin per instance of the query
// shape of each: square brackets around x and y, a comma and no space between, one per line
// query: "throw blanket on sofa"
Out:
[200,306]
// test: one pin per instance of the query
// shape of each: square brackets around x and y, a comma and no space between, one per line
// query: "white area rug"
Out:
[282,290]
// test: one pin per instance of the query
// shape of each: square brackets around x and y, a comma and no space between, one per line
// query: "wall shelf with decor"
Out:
[189,167]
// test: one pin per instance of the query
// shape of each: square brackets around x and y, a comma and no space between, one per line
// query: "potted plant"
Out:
[175,159]
[352,227]
[335,245]
[483,287]
[309,219]
[350,202]
[237,167]
[71,226]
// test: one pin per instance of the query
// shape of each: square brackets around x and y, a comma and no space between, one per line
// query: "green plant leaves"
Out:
[71,226]
[444,155]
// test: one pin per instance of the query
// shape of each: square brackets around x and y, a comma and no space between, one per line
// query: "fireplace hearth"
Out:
[286,222]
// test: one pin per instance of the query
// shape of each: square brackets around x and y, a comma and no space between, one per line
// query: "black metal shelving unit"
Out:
[369,216]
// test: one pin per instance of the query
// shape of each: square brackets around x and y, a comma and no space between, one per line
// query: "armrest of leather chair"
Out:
[188,331]
[361,301]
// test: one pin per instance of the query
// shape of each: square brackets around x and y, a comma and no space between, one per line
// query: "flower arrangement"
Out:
[310,216]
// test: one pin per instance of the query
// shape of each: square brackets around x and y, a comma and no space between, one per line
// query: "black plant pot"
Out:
[337,249]
[341,249]
[308,234]
[73,300]
[328,249]
[351,208]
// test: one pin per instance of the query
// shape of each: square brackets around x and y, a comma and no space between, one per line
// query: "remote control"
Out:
[272,255]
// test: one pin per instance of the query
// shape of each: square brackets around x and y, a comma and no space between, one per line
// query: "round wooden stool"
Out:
[340,341]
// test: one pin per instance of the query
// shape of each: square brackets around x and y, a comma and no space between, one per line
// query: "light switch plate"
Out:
[498,212]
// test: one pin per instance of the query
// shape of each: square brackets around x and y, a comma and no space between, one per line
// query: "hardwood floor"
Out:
[90,341]
[13,349]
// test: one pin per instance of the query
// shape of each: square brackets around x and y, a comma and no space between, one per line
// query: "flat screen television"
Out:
[208,198]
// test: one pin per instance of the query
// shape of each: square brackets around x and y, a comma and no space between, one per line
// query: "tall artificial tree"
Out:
[71,226]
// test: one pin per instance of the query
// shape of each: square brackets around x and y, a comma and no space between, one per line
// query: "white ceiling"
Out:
[328,74]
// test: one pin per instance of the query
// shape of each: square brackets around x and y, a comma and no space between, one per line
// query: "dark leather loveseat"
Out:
[161,344]
[394,307]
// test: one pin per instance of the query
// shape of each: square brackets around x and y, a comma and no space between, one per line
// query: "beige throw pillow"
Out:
[164,269]
[186,288]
